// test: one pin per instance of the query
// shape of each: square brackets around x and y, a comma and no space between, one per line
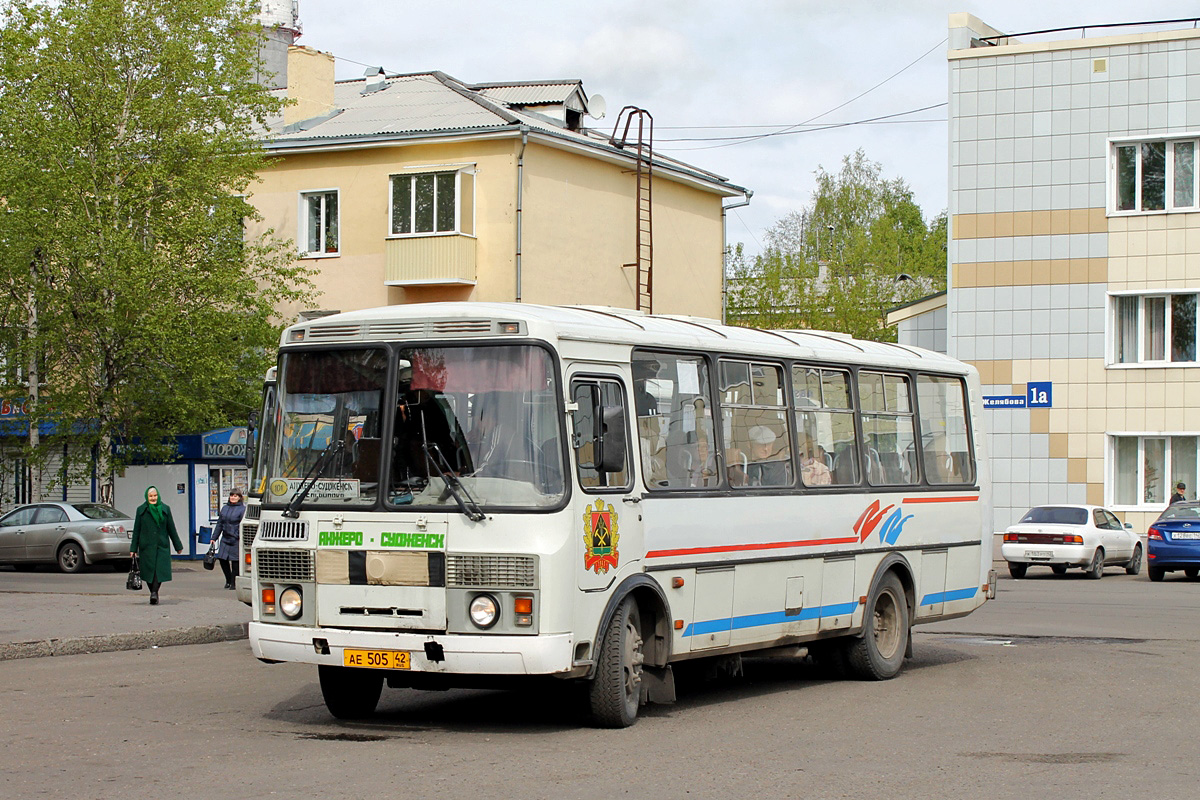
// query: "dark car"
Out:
[67,534]
[1174,541]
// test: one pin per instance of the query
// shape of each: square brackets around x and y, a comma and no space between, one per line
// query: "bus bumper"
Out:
[460,654]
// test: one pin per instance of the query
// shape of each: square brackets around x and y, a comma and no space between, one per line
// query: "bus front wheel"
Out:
[350,693]
[616,691]
[879,654]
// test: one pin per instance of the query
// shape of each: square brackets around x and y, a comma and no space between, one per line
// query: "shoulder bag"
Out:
[134,582]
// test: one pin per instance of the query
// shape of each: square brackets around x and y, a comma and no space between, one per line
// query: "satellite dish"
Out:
[597,105]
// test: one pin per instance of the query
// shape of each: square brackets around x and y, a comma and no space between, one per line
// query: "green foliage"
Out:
[860,248]
[128,132]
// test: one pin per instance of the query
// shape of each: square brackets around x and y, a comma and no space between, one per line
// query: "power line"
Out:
[728,141]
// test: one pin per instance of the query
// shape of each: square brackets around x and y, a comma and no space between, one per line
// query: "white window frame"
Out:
[459,171]
[1169,178]
[1114,325]
[1110,468]
[302,223]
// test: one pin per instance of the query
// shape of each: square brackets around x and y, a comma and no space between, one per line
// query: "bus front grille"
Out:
[284,565]
[491,571]
[249,530]
[281,531]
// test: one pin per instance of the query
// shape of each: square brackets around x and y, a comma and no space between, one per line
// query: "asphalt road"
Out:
[1060,688]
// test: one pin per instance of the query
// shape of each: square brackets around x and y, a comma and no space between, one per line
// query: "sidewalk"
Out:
[47,613]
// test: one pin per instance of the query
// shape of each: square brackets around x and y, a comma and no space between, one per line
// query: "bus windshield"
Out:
[470,426]
[485,416]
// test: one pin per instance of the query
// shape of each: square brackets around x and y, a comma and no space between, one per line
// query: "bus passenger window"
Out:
[941,406]
[757,440]
[887,421]
[674,423]
[825,421]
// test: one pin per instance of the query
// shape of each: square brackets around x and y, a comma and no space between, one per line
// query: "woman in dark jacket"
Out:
[153,535]
[229,520]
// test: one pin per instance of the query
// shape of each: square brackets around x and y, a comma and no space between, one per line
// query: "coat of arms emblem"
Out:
[600,537]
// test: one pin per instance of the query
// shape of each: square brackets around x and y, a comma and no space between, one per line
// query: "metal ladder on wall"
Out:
[643,150]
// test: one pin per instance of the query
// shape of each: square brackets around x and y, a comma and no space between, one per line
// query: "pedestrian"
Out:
[1178,496]
[153,535]
[229,521]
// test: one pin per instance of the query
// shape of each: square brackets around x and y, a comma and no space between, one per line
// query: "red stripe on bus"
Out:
[732,548]
[962,499]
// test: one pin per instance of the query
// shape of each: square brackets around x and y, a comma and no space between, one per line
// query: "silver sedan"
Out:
[67,534]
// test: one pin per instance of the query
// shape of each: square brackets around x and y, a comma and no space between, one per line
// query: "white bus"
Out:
[458,492]
[260,430]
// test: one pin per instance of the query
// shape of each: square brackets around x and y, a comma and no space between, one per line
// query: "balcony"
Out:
[430,260]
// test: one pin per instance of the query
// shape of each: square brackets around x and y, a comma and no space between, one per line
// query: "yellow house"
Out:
[416,188]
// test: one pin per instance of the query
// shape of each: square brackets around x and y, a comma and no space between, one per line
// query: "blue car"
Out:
[1174,541]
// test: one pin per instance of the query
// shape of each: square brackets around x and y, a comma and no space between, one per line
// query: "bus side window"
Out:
[593,397]
[674,421]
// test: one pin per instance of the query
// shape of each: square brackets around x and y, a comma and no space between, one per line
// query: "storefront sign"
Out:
[14,408]
[226,443]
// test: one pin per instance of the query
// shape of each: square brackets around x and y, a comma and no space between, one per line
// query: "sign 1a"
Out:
[1039,394]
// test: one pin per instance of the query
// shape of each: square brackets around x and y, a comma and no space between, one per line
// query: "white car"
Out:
[1065,536]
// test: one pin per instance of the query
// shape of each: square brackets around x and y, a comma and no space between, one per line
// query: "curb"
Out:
[199,634]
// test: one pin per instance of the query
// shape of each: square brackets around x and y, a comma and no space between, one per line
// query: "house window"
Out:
[1154,176]
[319,222]
[432,202]
[1154,329]
[1145,468]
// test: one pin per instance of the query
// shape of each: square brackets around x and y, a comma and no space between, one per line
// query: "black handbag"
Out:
[134,582]
[210,558]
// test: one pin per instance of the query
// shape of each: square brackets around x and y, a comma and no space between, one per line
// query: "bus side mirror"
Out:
[610,439]
[251,438]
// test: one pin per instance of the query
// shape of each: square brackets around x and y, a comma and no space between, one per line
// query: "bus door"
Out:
[608,512]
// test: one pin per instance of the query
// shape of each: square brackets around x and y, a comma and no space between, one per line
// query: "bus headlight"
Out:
[484,610]
[290,602]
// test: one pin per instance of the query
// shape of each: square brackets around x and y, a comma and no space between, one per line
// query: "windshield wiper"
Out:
[466,503]
[314,474]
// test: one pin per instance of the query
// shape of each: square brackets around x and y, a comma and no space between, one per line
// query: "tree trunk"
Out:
[104,471]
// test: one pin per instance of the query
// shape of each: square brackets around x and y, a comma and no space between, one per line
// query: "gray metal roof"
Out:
[530,94]
[433,103]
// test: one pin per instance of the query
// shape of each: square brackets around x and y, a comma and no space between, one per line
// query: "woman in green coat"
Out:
[153,535]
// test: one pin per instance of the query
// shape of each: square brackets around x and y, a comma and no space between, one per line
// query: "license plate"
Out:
[377,659]
[1186,535]
[1038,554]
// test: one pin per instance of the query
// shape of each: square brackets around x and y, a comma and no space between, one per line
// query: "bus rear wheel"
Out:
[879,654]
[616,692]
[350,693]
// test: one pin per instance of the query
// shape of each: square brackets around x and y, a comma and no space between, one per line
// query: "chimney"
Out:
[309,83]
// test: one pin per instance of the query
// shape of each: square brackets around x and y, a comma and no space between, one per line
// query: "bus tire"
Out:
[879,653]
[349,692]
[616,690]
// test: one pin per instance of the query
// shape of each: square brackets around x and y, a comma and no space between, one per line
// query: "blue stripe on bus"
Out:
[769,618]
[946,597]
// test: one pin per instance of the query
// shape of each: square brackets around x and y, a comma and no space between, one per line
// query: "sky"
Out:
[706,70]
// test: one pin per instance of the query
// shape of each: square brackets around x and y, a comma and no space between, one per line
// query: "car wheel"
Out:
[1135,564]
[879,653]
[349,692]
[1058,569]
[1017,570]
[70,557]
[1156,573]
[1095,570]
[616,692]
[1191,572]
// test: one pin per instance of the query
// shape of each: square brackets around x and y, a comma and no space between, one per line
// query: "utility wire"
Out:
[792,130]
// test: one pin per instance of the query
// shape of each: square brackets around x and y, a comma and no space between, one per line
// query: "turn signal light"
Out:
[268,600]
[1073,538]
[1154,533]
[1010,537]
[523,605]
